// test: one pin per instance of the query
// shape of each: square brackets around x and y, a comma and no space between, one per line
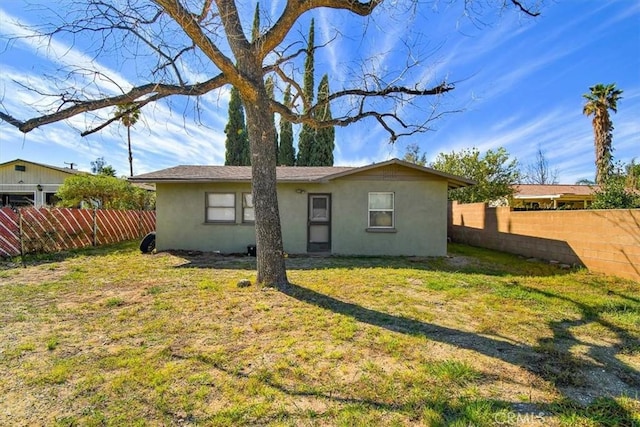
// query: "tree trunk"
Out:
[601,129]
[130,153]
[270,250]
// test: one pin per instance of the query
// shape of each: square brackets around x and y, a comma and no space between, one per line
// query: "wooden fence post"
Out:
[21,237]
[95,227]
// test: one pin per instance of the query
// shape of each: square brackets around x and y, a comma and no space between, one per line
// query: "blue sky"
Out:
[519,85]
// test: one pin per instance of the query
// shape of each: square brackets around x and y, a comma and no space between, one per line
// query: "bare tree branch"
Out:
[386,120]
[192,28]
[525,10]
[206,8]
[294,9]
[233,29]
[155,90]
[437,90]
[277,68]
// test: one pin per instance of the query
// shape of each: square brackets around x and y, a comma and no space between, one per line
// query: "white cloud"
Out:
[62,54]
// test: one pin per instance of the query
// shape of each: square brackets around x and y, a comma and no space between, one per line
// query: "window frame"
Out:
[392,210]
[245,208]
[207,206]
[327,208]
[50,198]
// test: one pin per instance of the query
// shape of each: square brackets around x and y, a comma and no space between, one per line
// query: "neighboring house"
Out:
[388,208]
[534,196]
[24,183]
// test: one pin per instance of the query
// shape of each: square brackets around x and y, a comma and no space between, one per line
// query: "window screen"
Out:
[248,213]
[221,207]
[381,210]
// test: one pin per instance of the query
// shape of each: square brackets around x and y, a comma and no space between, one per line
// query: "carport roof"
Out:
[527,191]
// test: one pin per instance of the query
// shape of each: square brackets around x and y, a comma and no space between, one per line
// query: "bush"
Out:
[105,192]
[615,195]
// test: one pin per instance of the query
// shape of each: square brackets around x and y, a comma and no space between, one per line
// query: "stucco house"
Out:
[25,183]
[556,196]
[388,208]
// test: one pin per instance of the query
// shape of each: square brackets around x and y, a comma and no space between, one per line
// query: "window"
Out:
[319,208]
[50,199]
[20,168]
[221,207]
[248,214]
[381,213]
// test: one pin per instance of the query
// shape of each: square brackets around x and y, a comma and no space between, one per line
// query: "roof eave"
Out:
[183,180]
[453,181]
[54,168]
[453,185]
[553,196]
[538,196]
[220,180]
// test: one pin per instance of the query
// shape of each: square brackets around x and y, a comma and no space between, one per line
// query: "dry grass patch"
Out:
[113,337]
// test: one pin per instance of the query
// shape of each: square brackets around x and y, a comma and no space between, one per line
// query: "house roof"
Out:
[65,170]
[532,191]
[292,174]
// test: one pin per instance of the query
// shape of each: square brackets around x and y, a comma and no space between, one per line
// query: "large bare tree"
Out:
[213,34]
[539,172]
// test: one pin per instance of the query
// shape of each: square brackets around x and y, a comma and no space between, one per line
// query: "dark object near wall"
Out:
[148,243]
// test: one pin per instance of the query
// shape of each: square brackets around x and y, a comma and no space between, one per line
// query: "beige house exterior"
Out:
[388,208]
[25,183]
[556,196]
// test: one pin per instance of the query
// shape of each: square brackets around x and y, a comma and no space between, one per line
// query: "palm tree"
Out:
[600,100]
[129,114]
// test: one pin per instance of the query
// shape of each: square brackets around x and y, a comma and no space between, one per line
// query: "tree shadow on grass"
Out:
[559,347]
[549,359]
[504,265]
[463,411]
[626,297]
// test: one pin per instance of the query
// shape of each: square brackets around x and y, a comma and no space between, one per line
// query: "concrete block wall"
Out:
[606,241]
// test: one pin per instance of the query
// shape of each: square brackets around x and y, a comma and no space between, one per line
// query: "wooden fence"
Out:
[39,230]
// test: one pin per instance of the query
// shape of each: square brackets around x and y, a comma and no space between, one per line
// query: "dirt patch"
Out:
[458,261]
[12,273]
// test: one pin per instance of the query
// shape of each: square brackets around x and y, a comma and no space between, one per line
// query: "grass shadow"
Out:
[558,349]
[467,411]
[535,359]
[460,259]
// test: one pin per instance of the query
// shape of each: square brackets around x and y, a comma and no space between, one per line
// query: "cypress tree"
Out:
[286,152]
[308,133]
[237,142]
[322,148]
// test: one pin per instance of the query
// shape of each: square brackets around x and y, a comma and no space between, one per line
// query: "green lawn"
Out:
[113,337]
